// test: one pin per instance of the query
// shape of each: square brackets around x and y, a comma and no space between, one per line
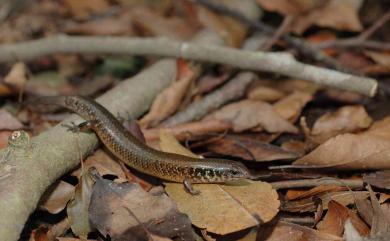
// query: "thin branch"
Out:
[302,46]
[351,183]
[374,27]
[279,32]
[280,63]
[233,90]
[361,40]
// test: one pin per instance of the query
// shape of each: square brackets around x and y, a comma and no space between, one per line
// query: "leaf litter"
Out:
[323,132]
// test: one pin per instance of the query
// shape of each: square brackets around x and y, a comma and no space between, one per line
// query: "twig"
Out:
[361,40]
[279,32]
[281,63]
[233,90]
[351,183]
[302,46]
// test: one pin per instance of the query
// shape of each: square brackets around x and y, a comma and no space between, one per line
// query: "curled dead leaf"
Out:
[367,150]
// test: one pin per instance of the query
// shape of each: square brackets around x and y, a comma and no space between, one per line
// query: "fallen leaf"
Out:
[346,119]
[309,204]
[340,15]
[358,223]
[298,147]
[232,31]
[381,215]
[294,232]
[247,114]
[190,129]
[287,7]
[291,106]
[73,239]
[83,9]
[150,22]
[167,102]
[350,233]
[104,164]
[223,209]
[334,219]
[315,191]
[381,58]
[4,135]
[207,83]
[169,143]
[50,232]
[125,210]
[354,60]
[249,149]
[17,77]
[77,209]
[48,83]
[55,200]
[379,179]
[264,93]
[368,150]
[8,121]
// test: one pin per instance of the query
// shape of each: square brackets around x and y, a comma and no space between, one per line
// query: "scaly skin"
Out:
[136,154]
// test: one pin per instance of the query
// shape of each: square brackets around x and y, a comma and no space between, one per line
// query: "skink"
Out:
[137,155]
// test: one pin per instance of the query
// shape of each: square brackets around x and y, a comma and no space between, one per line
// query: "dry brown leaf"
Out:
[55,200]
[291,106]
[169,100]
[104,164]
[298,194]
[354,60]
[247,114]
[17,77]
[381,58]
[383,197]
[379,179]
[358,223]
[298,147]
[368,150]
[340,15]
[150,22]
[124,210]
[169,142]
[73,239]
[287,7]
[344,120]
[309,204]
[77,209]
[294,232]
[249,149]
[4,135]
[232,31]
[8,121]
[190,129]
[223,209]
[83,9]
[334,219]
[264,93]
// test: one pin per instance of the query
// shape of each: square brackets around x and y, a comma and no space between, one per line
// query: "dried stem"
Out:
[233,90]
[351,183]
[280,63]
